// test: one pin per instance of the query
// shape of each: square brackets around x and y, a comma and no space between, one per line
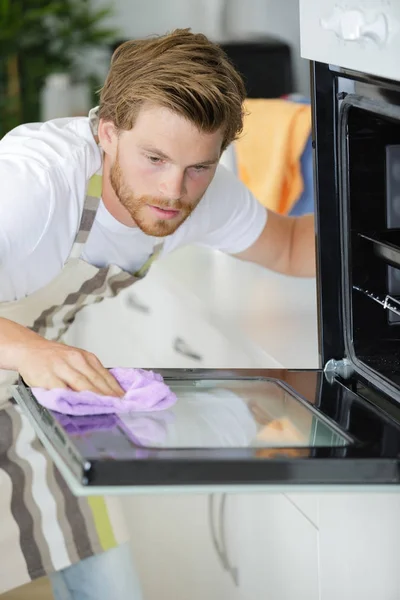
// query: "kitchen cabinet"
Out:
[267,547]
[237,546]
[359,546]
[272,546]
[174,550]
[363,35]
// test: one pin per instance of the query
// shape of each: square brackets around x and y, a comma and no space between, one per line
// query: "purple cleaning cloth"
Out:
[144,391]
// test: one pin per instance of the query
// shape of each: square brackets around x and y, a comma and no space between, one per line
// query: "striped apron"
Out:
[43,527]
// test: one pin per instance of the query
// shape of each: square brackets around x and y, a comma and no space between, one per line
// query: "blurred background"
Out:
[54,54]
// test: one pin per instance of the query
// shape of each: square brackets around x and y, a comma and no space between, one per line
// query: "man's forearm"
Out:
[12,337]
[302,253]
[43,363]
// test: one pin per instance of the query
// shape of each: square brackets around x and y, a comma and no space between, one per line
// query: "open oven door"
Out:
[229,430]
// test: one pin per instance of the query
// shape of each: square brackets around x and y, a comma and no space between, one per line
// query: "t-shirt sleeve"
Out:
[26,207]
[228,218]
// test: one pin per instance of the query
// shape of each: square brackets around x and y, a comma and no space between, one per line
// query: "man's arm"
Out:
[25,206]
[286,245]
[236,226]
[47,364]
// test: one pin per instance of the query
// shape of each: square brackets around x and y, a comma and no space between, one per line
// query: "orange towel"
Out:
[269,151]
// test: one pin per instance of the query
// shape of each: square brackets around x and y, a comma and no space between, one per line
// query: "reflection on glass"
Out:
[232,414]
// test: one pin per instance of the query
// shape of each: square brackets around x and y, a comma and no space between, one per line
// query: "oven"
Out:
[356,123]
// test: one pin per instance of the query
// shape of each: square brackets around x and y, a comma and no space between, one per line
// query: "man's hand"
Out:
[47,364]
[52,365]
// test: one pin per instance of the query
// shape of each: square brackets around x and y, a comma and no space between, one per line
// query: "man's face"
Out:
[161,168]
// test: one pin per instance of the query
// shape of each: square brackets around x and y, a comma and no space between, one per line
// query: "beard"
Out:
[139,210]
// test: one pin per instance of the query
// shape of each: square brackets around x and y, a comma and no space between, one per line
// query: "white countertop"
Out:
[276,312]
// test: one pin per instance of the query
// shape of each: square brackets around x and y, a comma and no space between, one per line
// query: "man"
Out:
[85,203]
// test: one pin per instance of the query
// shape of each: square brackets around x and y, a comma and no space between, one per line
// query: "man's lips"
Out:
[164,213]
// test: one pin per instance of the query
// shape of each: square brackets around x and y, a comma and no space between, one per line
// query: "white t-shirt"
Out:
[44,170]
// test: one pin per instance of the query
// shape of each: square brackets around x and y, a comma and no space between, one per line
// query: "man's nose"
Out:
[172,185]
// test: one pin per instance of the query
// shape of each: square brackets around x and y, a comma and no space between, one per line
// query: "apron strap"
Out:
[92,199]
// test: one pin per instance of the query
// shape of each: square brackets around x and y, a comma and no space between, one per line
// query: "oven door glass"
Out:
[237,413]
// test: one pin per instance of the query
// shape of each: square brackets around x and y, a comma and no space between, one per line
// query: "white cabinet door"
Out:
[363,35]
[183,334]
[237,547]
[173,548]
[272,547]
[179,330]
[155,323]
[360,546]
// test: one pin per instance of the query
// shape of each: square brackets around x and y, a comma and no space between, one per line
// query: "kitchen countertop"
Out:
[276,312]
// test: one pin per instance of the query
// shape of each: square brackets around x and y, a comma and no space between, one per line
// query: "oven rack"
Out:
[386,245]
[387,302]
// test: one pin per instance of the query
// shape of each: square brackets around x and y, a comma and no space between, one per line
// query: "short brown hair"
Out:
[182,71]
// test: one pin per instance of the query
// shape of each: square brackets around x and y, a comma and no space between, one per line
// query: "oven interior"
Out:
[372,237]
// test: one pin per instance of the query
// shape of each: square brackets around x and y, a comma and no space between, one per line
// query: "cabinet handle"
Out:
[181,347]
[233,571]
[133,302]
[220,547]
[213,530]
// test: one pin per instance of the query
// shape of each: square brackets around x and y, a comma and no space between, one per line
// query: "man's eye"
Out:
[199,168]
[155,159]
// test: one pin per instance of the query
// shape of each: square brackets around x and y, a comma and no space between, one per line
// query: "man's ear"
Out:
[108,137]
